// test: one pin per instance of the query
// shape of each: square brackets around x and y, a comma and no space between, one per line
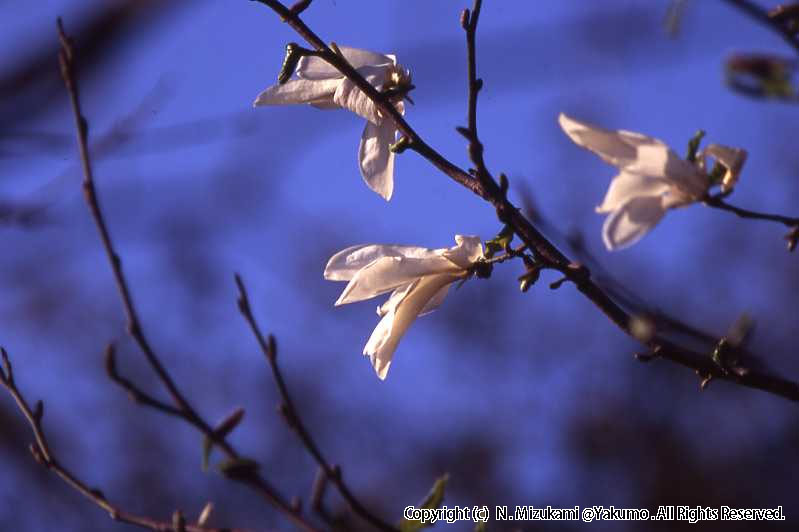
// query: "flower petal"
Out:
[310,67]
[375,160]
[632,152]
[388,273]
[394,299]
[627,186]
[466,252]
[436,300]
[630,222]
[398,318]
[298,91]
[349,96]
[345,264]
[732,159]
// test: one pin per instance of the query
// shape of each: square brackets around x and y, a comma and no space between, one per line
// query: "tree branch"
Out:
[182,408]
[761,15]
[544,250]
[718,203]
[43,454]
[293,419]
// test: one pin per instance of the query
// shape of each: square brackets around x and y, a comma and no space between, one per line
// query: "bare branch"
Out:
[44,455]
[293,419]
[182,408]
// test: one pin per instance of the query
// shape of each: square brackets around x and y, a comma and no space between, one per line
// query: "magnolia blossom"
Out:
[418,278]
[321,85]
[652,178]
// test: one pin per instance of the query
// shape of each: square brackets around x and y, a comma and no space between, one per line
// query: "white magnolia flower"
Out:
[418,278]
[652,178]
[324,87]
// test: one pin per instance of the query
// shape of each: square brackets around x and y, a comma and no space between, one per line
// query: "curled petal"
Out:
[434,302]
[388,273]
[298,91]
[732,159]
[627,224]
[311,67]
[345,264]
[399,317]
[349,96]
[627,186]
[375,159]
[467,250]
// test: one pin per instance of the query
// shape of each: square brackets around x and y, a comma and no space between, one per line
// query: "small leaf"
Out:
[433,500]
[693,145]
[500,242]
[222,430]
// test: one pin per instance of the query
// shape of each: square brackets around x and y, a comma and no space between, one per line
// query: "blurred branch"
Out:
[293,419]
[717,202]
[764,17]
[43,454]
[544,250]
[182,409]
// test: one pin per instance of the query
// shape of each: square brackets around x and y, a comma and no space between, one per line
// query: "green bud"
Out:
[401,145]
[693,145]
[293,55]
[501,242]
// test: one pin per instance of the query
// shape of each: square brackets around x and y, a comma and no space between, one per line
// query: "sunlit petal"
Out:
[630,151]
[396,321]
[375,159]
[388,273]
[345,264]
[466,252]
[349,96]
[732,159]
[311,67]
[298,91]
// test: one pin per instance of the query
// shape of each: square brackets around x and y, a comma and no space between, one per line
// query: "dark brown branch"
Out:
[293,419]
[469,24]
[136,394]
[762,16]
[718,203]
[43,454]
[545,252]
[67,63]
[182,408]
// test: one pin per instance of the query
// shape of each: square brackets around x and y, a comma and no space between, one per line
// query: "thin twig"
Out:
[761,15]
[718,203]
[183,408]
[136,394]
[510,254]
[293,419]
[544,250]
[43,454]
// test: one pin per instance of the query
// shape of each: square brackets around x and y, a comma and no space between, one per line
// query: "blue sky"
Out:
[197,185]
